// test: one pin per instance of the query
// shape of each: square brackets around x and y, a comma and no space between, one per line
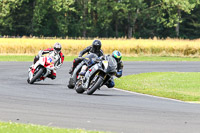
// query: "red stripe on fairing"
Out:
[45,62]
[32,70]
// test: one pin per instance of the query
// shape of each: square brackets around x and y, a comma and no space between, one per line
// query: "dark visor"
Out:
[57,49]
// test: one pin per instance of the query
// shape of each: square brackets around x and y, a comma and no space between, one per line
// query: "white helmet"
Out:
[57,48]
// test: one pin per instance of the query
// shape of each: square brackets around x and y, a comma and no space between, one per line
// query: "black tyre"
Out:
[71,83]
[95,85]
[28,81]
[70,86]
[37,75]
[78,87]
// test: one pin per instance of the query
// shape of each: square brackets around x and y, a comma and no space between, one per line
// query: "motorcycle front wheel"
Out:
[37,75]
[94,85]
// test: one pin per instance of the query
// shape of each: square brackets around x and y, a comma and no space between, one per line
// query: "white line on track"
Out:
[153,96]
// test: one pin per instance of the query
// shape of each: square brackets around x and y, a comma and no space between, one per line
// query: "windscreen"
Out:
[91,55]
[111,62]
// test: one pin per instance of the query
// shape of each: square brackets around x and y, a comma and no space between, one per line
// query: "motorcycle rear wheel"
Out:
[78,87]
[37,75]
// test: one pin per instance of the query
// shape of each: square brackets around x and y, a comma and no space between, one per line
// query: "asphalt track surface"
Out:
[51,103]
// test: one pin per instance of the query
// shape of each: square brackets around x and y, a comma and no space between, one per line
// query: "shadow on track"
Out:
[113,95]
[44,84]
[101,95]
[96,94]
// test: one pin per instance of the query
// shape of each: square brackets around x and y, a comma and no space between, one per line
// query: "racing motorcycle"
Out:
[96,76]
[86,62]
[41,69]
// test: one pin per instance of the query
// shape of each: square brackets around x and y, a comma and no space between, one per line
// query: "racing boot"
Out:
[71,83]
[52,75]
[28,80]
[110,83]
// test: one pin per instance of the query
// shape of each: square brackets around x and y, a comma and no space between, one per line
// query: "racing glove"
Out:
[40,53]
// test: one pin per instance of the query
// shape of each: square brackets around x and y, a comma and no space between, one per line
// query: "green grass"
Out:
[160,58]
[183,86]
[9,127]
[70,58]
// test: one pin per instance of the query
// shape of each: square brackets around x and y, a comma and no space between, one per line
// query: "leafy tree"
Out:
[190,27]
[170,14]
[10,19]
[133,10]
[103,18]
[50,17]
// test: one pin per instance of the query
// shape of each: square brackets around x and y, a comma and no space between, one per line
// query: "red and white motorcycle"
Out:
[41,69]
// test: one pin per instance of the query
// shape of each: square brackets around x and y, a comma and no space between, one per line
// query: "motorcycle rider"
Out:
[56,53]
[94,48]
[117,56]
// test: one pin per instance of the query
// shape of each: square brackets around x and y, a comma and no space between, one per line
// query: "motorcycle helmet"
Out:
[117,55]
[96,46]
[57,48]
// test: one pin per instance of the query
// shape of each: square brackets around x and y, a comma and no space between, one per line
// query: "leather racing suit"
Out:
[58,60]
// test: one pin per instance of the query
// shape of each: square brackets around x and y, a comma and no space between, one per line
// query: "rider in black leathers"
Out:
[94,48]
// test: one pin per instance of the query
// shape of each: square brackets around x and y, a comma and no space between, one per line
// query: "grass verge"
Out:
[9,127]
[125,58]
[160,58]
[183,86]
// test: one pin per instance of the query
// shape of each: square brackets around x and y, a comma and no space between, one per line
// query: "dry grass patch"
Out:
[128,47]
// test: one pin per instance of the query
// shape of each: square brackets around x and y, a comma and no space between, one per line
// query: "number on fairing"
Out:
[50,60]
[105,63]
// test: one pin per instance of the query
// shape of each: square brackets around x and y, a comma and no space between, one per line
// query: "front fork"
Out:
[87,80]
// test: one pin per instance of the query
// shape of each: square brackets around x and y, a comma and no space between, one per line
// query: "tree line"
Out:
[101,18]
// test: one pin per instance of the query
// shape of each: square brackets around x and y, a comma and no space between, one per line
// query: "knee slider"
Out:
[111,84]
